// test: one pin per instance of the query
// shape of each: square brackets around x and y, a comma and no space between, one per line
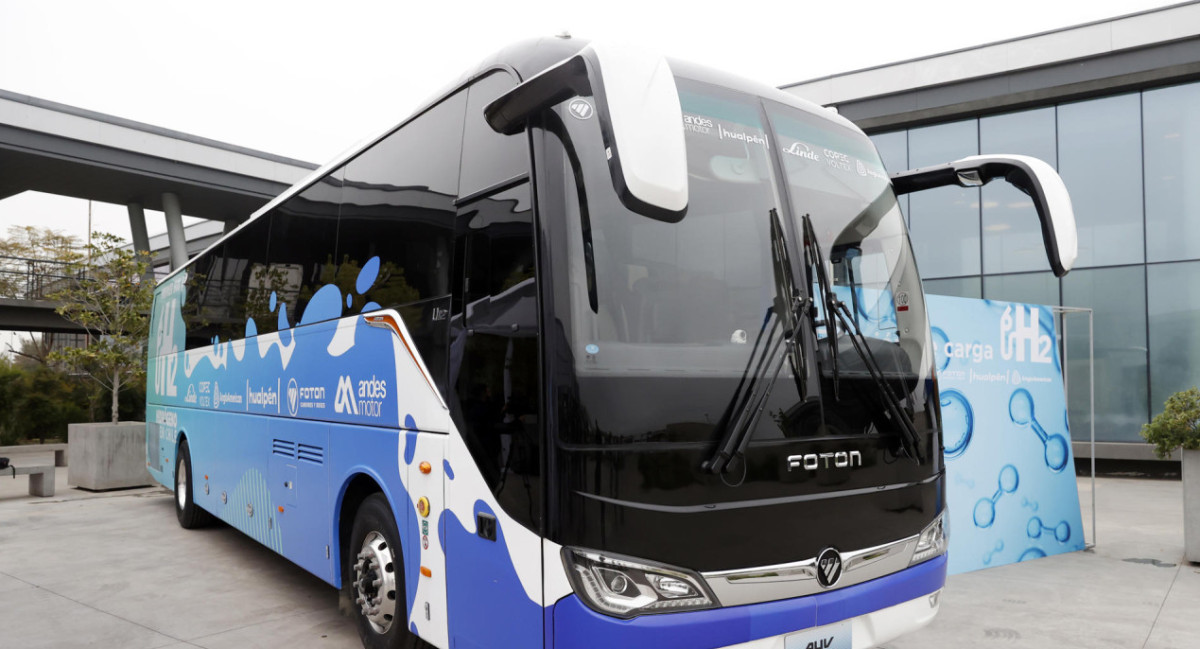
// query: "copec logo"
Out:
[364,397]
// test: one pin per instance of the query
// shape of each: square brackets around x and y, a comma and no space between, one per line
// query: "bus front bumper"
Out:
[873,612]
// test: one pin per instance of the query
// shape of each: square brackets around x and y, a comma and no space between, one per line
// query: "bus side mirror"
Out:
[640,117]
[1030,175]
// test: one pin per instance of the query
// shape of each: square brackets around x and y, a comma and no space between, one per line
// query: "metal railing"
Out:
[34,279]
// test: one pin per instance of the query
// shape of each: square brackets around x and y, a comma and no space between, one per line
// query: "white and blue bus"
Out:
[595,350]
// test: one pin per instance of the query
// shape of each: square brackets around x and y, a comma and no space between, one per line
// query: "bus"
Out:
[597,349]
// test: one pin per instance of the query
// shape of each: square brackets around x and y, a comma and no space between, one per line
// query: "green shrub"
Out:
[1177,426]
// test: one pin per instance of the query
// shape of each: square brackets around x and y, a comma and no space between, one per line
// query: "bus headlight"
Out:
[625,587]
[932,541]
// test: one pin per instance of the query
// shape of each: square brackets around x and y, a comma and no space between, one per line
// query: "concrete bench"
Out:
[41,478]
[60,451]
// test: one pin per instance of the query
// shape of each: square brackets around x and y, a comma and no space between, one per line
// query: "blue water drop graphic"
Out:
[349,300]
[367,276]
[271,305]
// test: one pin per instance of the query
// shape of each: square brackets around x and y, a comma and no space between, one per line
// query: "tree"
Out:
[111,301]
[1177,426]
[35,261]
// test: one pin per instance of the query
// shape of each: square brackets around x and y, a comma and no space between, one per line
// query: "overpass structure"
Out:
[54,148]
[58,149]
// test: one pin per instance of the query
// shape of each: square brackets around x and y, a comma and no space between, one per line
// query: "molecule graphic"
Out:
[985,509]
[940,339]
[987,557]
[958,422]
[1062,531]
[1031,553]
[1020,409]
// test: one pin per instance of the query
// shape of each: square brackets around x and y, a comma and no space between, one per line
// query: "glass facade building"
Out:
[1131,161]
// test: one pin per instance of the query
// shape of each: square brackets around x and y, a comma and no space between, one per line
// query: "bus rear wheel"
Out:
[375,578]
[190,515]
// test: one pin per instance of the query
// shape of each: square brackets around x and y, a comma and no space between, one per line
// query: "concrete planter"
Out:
[107,456]
[1191,505]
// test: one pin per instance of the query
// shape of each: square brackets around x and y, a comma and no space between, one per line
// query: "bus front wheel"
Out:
[375,577]
[190,515]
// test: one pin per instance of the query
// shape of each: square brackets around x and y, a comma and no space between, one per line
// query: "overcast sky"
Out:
[307,79]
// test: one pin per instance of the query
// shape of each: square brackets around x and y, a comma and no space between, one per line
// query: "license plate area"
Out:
[830,636]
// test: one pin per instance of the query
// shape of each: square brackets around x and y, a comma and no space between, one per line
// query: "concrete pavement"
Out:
[116,570]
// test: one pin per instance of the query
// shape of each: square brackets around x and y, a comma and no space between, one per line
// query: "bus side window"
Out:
[494,350]
[490,158]
[218,288]
[398,208]
[300,257]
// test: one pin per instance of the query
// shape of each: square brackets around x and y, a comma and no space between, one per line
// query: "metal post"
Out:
[1092,400]
[175,236]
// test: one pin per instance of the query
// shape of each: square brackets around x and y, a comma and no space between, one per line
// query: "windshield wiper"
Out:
[750,397]
[836,310]
[909,438]
[814,258]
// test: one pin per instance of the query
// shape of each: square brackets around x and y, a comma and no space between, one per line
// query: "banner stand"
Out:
[1061,313]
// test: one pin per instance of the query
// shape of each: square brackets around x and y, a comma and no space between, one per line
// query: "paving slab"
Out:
[114,569]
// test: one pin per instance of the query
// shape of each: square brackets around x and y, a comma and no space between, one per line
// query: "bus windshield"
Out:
[676,309]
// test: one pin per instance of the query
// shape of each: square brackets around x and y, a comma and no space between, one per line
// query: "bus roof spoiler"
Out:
[1032,176]
[640,118]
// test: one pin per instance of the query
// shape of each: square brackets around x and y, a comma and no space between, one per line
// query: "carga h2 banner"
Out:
[1010,476]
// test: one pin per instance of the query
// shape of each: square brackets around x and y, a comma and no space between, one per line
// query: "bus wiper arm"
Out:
[814,258]
[909,438]
[750,398]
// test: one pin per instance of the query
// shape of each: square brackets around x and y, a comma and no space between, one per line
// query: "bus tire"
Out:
[190,515]
[374,577]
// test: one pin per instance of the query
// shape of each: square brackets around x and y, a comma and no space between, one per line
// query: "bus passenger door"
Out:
[493,541]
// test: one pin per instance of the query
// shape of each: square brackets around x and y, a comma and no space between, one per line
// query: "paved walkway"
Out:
[116,570]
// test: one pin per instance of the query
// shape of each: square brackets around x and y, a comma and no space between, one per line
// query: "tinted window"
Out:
[1012,232]
[489,157]
[220,298]
[396,226]
[495,363]
[893,151]
[1100,160]
[944,221]
[1174,302]
[1118,296]
[1172,139]
[955,286]
[1030,288]
[300,258]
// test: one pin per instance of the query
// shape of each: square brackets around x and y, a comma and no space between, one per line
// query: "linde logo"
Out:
[1019,331]
[367,399]
[801,150]
[813,461]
